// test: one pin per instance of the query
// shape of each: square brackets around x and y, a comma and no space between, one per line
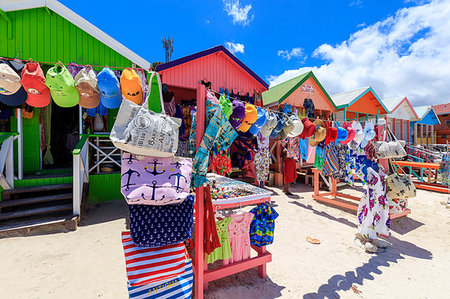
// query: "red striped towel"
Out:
[148,265]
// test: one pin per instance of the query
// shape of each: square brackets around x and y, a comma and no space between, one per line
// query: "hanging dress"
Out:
[373,209]
[262,158]
[239,232]
[224,251]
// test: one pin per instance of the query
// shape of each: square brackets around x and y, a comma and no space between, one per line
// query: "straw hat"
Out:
[320,133]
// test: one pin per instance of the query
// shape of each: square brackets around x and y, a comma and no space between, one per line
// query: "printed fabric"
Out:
[222,162]
[262,228]
[309,107]
[219,131]
[262,158]
[444,170]
[331,159]
[238,231]
[341,149]
[350,160]
[320,153]
[397,205]
[224,251]
[187,118]
[303,145]
[311,154]
[294,147]
[373,209]
[211,240]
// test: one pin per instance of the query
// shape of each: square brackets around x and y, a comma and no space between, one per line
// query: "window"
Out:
[447,122]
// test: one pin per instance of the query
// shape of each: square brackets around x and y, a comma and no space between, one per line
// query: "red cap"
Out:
[351,132]
[331,134]
[33,81]
[308,128]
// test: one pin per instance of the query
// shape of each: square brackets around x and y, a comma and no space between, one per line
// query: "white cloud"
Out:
[294,52]
[357,3]
[234,47]
[240,14]
[404,55]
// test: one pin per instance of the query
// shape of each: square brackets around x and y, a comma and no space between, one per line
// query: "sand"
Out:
[89,262]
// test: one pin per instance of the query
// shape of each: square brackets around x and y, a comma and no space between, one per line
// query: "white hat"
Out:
[359,136]
[298,126]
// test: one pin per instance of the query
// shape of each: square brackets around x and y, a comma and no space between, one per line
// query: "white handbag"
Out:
[389,149]
[141,131]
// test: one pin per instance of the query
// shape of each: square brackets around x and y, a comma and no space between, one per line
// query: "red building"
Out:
[443,130]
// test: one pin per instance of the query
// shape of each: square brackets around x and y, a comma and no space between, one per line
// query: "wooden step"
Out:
[69,222]
[37,189]
[37,211]
[34,200]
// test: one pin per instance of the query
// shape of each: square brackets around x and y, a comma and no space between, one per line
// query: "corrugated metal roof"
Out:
[442,109]
[280,92]
[392,103]
[346,98]
[421,111]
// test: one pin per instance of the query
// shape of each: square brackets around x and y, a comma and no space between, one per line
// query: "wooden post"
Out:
[408,129]
[357,116]
[199,259]
[415,134]
[345,113]
[432,135]
[393,125]
[401,129]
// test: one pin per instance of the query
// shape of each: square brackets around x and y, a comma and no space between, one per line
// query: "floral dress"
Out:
[444,170]
[262,158]
[373,209]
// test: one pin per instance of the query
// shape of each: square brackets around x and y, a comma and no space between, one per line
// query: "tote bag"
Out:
[389,149]
[179,287]
[139,130]
[155,180]
[155,226]
[150,265]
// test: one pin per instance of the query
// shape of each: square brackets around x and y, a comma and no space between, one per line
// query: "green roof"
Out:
[279,93]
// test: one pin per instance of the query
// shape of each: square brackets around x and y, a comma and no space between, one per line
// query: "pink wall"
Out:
[217,68]
[320,101]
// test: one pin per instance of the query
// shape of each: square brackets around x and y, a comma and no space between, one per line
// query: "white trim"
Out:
[63,11]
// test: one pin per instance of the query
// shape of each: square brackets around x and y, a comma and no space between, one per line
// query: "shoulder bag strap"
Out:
[150,91]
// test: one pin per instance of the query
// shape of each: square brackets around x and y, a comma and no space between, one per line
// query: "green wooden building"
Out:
[47,31]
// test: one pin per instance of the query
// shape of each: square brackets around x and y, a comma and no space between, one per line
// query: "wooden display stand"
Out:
[340,199]
[432,169]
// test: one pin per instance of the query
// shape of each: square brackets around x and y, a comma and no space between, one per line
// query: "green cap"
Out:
[62,86]
[226,105]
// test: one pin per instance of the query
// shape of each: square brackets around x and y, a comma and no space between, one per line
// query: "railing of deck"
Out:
[7,159]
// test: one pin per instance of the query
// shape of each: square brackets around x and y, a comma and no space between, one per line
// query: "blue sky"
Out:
[281,39]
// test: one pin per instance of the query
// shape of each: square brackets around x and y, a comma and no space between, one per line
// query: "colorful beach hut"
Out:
[443,129]
[47,31]
[400,116]
[294,92]
[360,104]
[423,129]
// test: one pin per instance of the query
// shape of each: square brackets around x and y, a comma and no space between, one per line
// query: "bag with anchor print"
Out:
[141,131]
[155,180]
[156,226]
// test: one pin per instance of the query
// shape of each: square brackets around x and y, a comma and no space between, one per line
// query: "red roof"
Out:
[442,109]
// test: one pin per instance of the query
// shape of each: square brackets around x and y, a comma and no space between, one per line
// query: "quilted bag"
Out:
[150,265]
[155,180]
[155,226]
[179,287]
[400,186]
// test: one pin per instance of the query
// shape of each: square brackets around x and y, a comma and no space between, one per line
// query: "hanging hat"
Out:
[320,134]
[369,133]
[109,88]
[86,84]
[271,123]
[342,133]
[298,126]
[226,105]
[33,81]
[359,132]
[238,114]
[131,86]
[209,95]
[251,115]
[260,122]
[331,134]
[351,132]
[288,127]
[280,125]
[308,128]
[9,80]
[62,86]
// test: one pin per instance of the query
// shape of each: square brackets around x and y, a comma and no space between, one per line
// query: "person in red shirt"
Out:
[290,169]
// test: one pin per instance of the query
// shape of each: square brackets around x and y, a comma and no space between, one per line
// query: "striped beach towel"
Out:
[150,265]
[179,287]
[331,160]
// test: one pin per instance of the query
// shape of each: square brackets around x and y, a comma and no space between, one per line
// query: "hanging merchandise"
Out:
[397,205]
[33,81]
[320,133]
[359,132]
[271,123]
[373,209]
[320,155]
[155,180]
[139,130]
[155,226]
[280,125]
[390,147]
[238,231]
[74,68]
[86,84]
[311,153]
[331,159]
[262,227]
[211,240]
[11,91]
[62,86]
[226,105]
[309,107]
[224,251]
[251,115]
[179,287]
[210,96]
[221,161]
[444,169]
[331,134]
[298,126]
[350,132]
[400,186]
[131,86]
[342,134]
[142,266]
[341,150]
[169,100]
[369,133]
[288,127]
[303,145]
[260,122]
[109,88]
[262,158]
[27,111]
[287,109]
[308,128]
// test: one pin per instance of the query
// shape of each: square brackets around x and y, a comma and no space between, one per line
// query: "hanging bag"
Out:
[179,287]
[141,131]
[158,181]
[399,185]
[389,149]
[155,226]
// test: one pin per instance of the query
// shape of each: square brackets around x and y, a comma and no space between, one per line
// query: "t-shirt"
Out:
[262,227]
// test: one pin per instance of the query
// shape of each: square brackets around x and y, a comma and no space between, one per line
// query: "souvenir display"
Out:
[33,81]
[251,115]
[271,123]
[262,227]
[62,86]
[86,84]
[131,86]
[400,186]
[109,88]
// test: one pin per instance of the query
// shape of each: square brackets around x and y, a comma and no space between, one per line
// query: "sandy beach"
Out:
[89,262]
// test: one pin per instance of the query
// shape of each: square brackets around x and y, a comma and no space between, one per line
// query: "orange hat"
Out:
[131,86]
[251,115]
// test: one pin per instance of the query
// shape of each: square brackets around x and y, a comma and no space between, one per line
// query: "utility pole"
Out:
[168,47]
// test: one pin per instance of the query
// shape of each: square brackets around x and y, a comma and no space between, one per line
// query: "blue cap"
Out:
[16,99]
[107,83]
[342,133]
[279,127]
[260,121]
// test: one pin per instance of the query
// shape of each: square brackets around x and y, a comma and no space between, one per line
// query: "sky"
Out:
[398,47]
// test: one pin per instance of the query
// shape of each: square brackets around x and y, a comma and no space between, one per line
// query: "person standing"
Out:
[290,169]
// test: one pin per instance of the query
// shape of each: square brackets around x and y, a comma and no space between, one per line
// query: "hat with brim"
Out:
[9,80]
[86,84]
[351,132]
[62,86]
[238,114]
[288,127]
[369,133]
[359,132]
[280,125]
[331,134]
[260,122]
[33,81]
[108,85]
[271,123]
[318,137]
[251,115]
[342,133]
[308,128]
[15,99]
[298,126]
